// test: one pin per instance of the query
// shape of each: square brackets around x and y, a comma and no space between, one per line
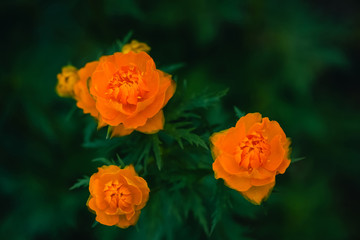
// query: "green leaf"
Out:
[238,112]
[82,182]
[157,151]
[103,160]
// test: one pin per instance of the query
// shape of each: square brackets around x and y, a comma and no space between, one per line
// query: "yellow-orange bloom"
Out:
[130,92]
[250,155]
[136,47]
[117,195]
[66,81]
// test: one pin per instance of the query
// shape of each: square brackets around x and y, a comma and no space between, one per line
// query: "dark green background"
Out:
[296,62]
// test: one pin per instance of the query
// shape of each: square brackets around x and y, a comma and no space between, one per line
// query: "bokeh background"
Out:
[294,61]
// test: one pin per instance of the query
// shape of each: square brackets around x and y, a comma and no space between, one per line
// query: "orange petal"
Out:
[249,120]
[262,182]
[277,154]
[233,138]
[151,81]
[125,223]
[91,204]
[133,179]
[140,118]
[216,142]
[230,165]
[108,169]
[257,194]
[272,129]
[136,194]
[101,122]
[154,124]
[106,219]
[120,130]
[81,89]
[171,90]
[231,180]
[99,82]
[261,173]
[283,166]
[109,115]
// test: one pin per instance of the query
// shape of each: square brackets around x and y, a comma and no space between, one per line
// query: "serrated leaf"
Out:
[157,152]
[103,160]
[221,201]
[82,182]
[180,134]
[238,112]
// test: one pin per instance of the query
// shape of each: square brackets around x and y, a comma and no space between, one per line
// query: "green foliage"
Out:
[179,133]
[81,182]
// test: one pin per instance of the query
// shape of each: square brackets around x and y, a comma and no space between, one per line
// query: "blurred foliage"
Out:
[293,61]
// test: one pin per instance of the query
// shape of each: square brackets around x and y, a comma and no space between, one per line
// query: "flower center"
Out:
[124,85]
[117,195]
[253,151]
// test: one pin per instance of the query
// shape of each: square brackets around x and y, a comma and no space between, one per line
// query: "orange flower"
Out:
[117,195]
[136,47]
[130,93]
[81,90]
[250,155]
[66,80]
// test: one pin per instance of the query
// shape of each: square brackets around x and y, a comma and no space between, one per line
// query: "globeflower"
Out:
[250,155]
[117,195]
[136,47]
[130,93]
[66,81]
